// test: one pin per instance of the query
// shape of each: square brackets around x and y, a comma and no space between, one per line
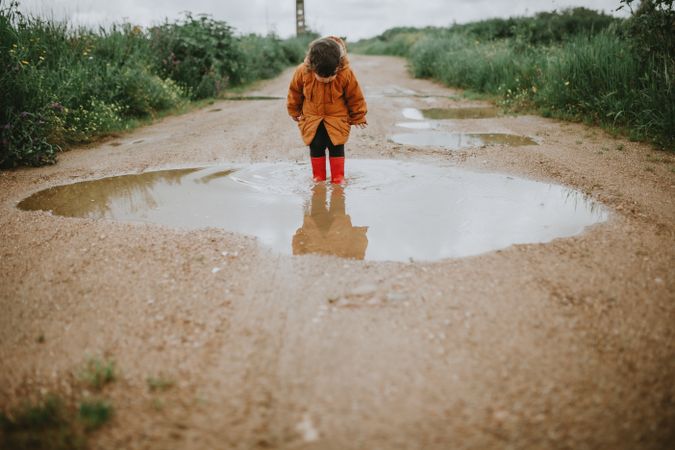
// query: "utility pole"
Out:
[300,17]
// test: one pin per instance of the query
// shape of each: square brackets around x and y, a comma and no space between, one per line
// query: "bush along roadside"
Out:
[61,86]
[575,64]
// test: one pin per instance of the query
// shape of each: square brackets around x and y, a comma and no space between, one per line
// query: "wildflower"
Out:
[24,114]
[41,58]
[24,62]
[56,106]
[567,83]
[534,89]
[7,126]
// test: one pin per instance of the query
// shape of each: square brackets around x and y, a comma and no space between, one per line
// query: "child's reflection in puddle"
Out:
[328,229]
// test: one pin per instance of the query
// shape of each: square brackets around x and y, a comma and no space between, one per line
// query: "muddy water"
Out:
[450,113]
[456,141]
[388,210]
[460,113]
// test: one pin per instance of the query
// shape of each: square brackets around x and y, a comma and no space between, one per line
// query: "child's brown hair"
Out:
[324,57]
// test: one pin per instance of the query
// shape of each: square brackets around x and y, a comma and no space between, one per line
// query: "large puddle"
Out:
[388,210]
[456,141]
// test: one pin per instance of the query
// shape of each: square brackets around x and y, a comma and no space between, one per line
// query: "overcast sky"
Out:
[352,18]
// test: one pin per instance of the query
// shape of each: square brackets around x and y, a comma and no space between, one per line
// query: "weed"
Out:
[159,383]
[157,404]
[620,147]
[41,426]
[97,373]
[94,413]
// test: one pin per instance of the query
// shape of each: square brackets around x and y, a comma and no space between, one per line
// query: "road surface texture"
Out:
[567,344]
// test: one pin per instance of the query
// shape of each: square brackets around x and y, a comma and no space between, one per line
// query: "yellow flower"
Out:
[24,62]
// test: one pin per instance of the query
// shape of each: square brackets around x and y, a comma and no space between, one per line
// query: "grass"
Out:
[95,413]
[575,65]
[98,373]
[55,423]
[51,425]
[46,425]
[159,383]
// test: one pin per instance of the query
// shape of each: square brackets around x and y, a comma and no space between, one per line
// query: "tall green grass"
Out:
[61,85]
[595,70]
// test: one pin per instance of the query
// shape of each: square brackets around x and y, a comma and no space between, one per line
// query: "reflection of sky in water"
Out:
[410,210]
[459,140]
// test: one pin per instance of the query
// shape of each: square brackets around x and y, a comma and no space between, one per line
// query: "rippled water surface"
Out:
[388,210]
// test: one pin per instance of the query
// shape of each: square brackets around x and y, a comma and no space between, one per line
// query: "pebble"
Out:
[363,290]
[396,297]
[215,270]
[307,430]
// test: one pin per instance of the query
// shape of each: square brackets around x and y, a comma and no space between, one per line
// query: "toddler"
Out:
[325,99]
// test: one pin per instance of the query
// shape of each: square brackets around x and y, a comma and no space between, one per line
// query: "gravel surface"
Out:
[569,344]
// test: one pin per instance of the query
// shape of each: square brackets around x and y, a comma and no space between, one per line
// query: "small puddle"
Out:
[456,141]
[388,210]
[417,125]
[413,113]
[460,113]
[450,113]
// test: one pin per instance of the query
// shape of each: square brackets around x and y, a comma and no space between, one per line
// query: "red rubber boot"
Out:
[337,170]
[319,169]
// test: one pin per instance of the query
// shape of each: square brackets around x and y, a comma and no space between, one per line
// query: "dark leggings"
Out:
[321,141]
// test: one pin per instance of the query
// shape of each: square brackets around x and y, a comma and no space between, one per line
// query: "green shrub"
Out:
[263,56]
[61,86]
[200,54]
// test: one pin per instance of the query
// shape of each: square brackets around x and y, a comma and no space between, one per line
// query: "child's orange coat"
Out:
[340,103]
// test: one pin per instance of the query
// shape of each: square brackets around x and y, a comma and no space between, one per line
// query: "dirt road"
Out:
[569,344]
